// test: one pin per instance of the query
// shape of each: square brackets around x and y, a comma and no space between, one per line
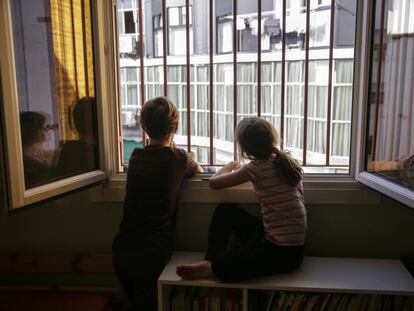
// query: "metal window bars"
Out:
[235,41]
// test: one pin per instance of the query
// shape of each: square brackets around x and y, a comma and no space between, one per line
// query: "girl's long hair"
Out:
[257,139]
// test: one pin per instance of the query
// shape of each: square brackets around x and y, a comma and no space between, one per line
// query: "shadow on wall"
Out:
[75,225]
[376,231]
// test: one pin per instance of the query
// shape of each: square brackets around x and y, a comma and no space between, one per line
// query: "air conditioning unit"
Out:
[127,44]
[128,118]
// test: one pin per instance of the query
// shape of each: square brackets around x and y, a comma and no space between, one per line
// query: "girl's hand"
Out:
[229,167]
[233,165]
[229,175]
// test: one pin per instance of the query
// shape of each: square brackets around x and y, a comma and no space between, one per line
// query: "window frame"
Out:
[319,188]
[17,194]
[387,187]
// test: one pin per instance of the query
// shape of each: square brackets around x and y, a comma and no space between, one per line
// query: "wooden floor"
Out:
[46,300]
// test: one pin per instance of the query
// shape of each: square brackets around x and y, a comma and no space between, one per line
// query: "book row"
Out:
[293,301]
[194,298]
[205,299]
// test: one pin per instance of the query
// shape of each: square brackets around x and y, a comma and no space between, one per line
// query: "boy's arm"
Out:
[192,166]
[230,175]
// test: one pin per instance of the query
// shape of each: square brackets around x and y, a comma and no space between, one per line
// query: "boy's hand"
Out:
[191,154]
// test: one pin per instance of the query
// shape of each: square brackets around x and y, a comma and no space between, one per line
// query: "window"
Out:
[49,85]
[129,22]
[176,30]
[157,28]
[294,68]
[127,28]
[299,76]
[390,145]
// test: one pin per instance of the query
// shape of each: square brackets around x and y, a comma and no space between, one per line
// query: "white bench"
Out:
[316,274]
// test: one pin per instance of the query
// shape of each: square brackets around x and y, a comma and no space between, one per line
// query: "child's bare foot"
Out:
[197,270]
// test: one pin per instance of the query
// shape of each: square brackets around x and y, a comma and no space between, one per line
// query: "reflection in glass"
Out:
[391,152]
[37,160]
[54,69]
[79,155]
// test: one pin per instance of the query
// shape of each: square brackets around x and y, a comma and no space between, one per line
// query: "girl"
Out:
[272,245]
[143,245]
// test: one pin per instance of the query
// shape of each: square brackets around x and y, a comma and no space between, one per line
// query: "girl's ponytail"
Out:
[289,168]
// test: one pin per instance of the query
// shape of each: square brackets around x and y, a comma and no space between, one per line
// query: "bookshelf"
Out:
[317,275]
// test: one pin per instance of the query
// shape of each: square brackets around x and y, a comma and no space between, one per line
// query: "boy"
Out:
[143,245]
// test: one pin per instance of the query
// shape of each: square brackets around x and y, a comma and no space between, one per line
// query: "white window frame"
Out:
[105,90]
[382,185]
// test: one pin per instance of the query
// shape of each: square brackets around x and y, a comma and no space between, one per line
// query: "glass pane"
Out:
[130,79]
[125,4]
[317,112]
[200,101]
[294,88]
[129,22]
[173,16]
[57,112]
[391,131]
[294,84]
[341,112]
[271,30]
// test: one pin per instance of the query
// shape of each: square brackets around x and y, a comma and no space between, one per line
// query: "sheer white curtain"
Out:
[396,119]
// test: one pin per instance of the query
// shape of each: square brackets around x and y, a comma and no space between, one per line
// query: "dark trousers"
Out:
[255,256]
[138,274]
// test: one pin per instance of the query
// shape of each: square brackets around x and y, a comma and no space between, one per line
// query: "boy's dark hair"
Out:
[159,117]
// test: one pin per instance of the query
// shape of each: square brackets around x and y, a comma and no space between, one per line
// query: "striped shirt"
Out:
[282,205]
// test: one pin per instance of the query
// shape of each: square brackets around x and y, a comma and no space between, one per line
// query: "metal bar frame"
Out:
[330,91]
[187,50]
[259,71]
[306,91]
[141,61]
[283,77]
[259,57]
[164,45]
[74,49]
[211,38]
[120,134]
[85,55]
[379,78]
[235,47]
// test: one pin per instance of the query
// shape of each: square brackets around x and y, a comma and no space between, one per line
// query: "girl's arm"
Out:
[230,175]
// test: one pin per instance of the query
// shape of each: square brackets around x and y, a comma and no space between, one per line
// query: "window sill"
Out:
[318,190]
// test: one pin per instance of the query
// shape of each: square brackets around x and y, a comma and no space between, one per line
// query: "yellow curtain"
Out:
[73,51]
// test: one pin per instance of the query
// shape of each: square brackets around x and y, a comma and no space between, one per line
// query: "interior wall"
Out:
[75,225]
